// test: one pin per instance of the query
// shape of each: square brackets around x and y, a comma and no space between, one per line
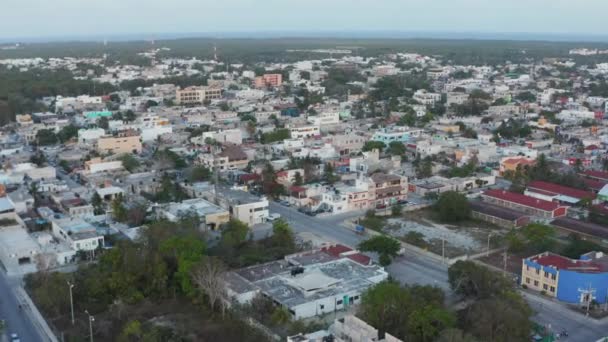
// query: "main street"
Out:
[17,320]
[413,268]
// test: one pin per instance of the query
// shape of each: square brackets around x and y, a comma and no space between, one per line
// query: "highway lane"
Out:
[17,320]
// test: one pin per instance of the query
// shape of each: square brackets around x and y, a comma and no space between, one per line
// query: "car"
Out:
[15,337]
[285,203]
[273,216]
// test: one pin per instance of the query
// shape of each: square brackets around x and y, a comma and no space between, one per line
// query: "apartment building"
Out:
[124,142]
[268,80]
[388,189]
[197,95]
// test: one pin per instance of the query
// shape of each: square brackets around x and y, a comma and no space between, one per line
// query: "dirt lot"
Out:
[466,238]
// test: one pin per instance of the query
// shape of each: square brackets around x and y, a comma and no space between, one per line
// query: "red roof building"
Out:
[597,175]
[556,192]
[529,205]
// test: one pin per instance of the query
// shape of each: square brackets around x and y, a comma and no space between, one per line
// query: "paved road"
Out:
[413,268]
[17,320]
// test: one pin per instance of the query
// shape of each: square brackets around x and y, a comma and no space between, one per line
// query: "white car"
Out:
[273,217]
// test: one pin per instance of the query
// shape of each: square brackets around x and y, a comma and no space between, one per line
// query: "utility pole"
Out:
[443,249]
[504,267]
[488,248]
[70,287]
[91,320]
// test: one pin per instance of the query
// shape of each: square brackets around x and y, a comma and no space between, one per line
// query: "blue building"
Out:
[575,281]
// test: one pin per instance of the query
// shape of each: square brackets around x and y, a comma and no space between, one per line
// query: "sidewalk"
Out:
[35,315]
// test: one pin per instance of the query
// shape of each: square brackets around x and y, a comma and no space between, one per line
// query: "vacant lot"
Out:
[420,228]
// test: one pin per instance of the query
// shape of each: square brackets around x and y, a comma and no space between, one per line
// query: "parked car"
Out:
[273,216]
[285,203]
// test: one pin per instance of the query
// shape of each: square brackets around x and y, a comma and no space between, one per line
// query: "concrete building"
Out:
[126,142]
[197,95]
[387,189]
[90,136]
[533,206]
[80,235]
[211,215]
[558,193]
[503,217]
[399,134]
[308,284]
[232,136]
[268,80]
[96,165]
[306,131]
[575,281]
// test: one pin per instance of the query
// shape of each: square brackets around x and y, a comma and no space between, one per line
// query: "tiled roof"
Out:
[522,199]
[557,189]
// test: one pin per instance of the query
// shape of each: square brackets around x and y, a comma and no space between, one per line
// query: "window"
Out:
[339,302]
[552,289]
[545,287]
[527,280]
[553,276]
[546,274]
[537,271]
[356,297]
[536,283]
[321,306]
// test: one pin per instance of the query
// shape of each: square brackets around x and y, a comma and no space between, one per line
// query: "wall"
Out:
[570,282]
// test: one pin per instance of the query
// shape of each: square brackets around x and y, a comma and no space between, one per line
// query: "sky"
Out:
[98,18]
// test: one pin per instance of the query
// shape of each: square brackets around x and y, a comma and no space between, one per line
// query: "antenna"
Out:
[215,52]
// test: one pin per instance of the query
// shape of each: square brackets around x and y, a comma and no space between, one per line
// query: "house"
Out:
[241,205]
[211,215]
[575,281]
[80,235]
[510,164]
[308,284]
[287,177]
[97,164]
[529,205]
[400,134]
[232,157]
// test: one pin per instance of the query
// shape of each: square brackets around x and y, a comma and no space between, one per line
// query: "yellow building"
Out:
[197,95]
[123,143]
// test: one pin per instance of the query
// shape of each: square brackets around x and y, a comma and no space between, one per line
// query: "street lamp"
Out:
[91,320]
[70,287]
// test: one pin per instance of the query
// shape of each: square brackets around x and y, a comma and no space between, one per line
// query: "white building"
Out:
[306,131]
[80,235]
[90,136]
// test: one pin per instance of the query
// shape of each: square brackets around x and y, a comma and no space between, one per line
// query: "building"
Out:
[96,165]
[80,235]
[232,157]
[387,189]
[241,205]
[503,217]
[125,142]
[232,136]
[308,284]
[529,205]
[307,131]
[557,193]
[89,136]
[575,281]
[197,95]
[587,230]
[399,134]
[268,80]
[511,164]
[353,329]
[211,215]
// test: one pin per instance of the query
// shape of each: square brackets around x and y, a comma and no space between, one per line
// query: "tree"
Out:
[38,158]
[298,179]
[411,313]
[208,276]
[130,116]
[424,168]
[129,162]
[396,148]
[385,246]
[500,319]
[185,251]
[46,137]
[103,122]
[539,237]
[200,174]
[234,233]
[455,335]
[97,204]
[66,133]
[329,174]
[282,235]
[373,145]
[397,210]
[452,207]
[119,212]
[474,281]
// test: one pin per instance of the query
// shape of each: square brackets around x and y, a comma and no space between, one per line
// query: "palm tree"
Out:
[35,191]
